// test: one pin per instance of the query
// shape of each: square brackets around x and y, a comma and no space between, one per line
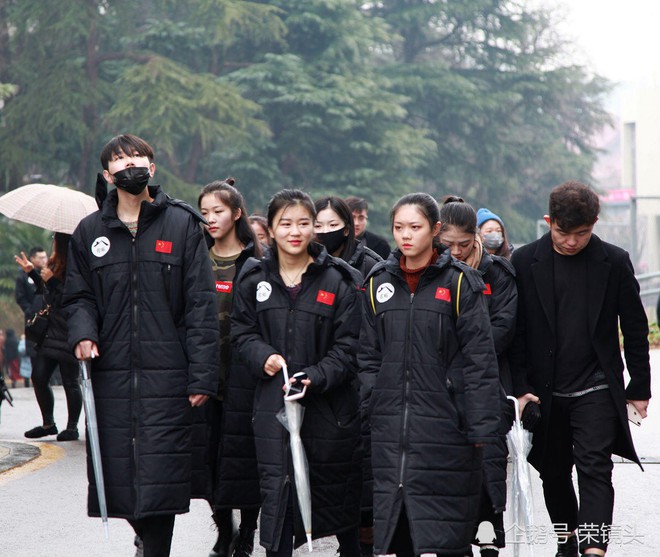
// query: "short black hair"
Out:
[573,204]
[34,251]
[126,143]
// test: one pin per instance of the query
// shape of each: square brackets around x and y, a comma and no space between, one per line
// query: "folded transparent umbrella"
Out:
[292,419]
[519,441]
[93,439]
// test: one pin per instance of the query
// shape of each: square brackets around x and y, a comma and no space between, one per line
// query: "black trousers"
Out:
[41,374]
[156,534]
[582,433]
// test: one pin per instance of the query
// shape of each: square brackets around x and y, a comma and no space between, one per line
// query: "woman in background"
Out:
[260,227]
[54,350]
[234,479]
[493,234]
[334,229]
[459,233]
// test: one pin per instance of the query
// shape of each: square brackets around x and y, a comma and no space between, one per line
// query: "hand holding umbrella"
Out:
[519,441]
[292,421]
[94,442]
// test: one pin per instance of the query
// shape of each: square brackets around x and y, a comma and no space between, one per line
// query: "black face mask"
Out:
[332,240]
[132,180]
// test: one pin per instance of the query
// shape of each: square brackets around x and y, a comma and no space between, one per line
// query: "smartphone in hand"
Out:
[297,390]
[633,415]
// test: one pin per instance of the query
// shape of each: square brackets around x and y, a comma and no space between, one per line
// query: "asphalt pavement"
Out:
[43,491]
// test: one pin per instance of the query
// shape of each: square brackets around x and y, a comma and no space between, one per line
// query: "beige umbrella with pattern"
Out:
[54,208]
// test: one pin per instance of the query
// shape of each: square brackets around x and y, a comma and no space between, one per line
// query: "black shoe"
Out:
[68,435]
[40,431]
[226,534]
[568,548]
[244,544]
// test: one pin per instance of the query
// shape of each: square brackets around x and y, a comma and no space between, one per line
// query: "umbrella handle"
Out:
[516,405]
[285,373]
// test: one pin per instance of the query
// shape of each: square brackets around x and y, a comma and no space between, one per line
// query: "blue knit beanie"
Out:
[484,214]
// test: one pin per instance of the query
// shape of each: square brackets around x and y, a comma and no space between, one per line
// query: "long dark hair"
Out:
[426,205]
[225,191]
[456,212]
[339,206]
[57,260]
[287,198]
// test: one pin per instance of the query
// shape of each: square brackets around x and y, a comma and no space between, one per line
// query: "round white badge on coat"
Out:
[100,246]
[385,292]
[264,290]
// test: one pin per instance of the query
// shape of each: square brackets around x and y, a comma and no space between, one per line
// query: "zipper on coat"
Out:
[135,363]
[406,393]
[168,285]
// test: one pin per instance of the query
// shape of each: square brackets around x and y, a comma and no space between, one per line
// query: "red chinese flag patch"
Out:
[223,286]
[443,294]
[324,297]
[163,246]
[487,290]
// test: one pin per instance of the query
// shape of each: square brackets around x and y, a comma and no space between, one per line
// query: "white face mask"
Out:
[493,240]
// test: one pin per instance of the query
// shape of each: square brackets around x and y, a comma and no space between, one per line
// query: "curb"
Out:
[14,454]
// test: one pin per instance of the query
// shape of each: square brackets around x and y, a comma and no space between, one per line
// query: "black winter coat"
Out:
[237,476]
[317,333]
[376,243]
[149,304]
[55,344]
[613,300]
[25,293]
[363,259]
[29,301]
[430,389]
[502,296]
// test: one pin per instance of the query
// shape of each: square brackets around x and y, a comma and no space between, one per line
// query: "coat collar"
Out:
[316,250]
[148,211]
[393,262]
[598,269]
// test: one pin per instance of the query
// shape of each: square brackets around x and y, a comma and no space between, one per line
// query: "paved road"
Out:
[43,501]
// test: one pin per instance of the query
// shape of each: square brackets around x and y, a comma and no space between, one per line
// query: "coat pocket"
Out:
[457,402]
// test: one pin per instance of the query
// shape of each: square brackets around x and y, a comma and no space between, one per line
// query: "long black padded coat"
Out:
[317,333]
[149,304]
[237,478]
[502,296]
[240,486]
[430,389]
